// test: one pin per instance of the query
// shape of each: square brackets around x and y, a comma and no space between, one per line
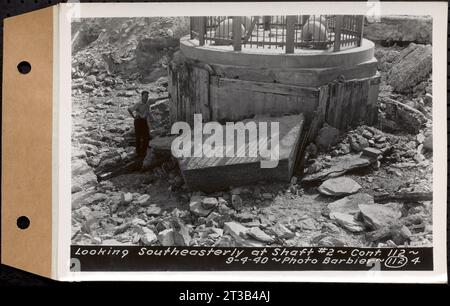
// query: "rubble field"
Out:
[370,186]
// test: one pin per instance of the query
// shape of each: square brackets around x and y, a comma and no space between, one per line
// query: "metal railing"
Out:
[291,32]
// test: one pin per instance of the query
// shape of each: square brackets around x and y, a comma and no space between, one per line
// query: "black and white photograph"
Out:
[357,130]
[274,132]
[252,143]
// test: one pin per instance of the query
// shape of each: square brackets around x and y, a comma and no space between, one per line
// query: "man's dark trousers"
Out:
[142,136]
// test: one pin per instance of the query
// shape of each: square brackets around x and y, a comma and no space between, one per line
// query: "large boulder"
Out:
[83,176]
[282,231]
[339,186]
[338,166]
[240,235]
[79,198]
[327,137]
[378,216]
[181,233]
[148,237]
[80,167]
[127,47]
[165,237]
[412,66]
[400,29]
[235,229]
[347,221]
[350,204]
[152,54]
[258,234]
[197,208]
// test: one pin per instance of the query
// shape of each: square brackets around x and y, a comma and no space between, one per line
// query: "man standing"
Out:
[140,113]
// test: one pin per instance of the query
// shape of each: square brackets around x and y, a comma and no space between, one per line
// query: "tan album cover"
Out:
[288,142]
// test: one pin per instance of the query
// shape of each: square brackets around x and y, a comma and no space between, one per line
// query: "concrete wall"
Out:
[340,95]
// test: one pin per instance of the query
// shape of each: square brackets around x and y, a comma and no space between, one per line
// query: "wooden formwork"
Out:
[219,94]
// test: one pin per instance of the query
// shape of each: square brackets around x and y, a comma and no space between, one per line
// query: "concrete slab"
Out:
[216,173]
[263,59]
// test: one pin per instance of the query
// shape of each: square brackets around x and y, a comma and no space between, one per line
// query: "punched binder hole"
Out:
[23,222]
[24,67]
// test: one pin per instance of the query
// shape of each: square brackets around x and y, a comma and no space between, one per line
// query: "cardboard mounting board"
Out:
[27,142]
[36,150]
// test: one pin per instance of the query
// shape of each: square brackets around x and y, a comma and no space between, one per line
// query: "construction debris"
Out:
[337,167]
[350,204]
[412,65]
[362,187]
[400,28]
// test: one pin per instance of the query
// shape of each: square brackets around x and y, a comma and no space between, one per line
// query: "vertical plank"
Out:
[318,117]
[342,97]
[337,33]
[360,29]
[237,33]
[361,106]
[331,104]
[201,30]
[355,103]
[184,93]
[187,95]
[337,104]
[290,33]
[192,26]
[173,92]
[347,104]
[204,90]
[372,98]
[214,98]
[178,100]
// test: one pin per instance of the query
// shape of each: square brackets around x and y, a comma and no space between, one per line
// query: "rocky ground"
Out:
[369,186]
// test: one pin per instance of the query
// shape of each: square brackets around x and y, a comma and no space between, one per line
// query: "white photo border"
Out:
[63,124]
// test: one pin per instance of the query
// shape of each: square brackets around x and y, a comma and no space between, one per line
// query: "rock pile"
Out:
[406,71]
[109,54]
[377,206]
[400,29]
[368,186]
[412,65]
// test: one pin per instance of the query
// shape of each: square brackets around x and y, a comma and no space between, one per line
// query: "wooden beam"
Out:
[271,88]
[404,197]
[337,33]
[201,30]
[192,26]
[290,33]
[360,29]
[237,33]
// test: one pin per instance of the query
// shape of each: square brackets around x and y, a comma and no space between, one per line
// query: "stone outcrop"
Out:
[379,215]
[349,205]
[400,29]
[155,208]
[116,49]
[412,66]
[339,186]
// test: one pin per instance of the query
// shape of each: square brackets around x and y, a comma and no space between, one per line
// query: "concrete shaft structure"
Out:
[300,90]
[339,88]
